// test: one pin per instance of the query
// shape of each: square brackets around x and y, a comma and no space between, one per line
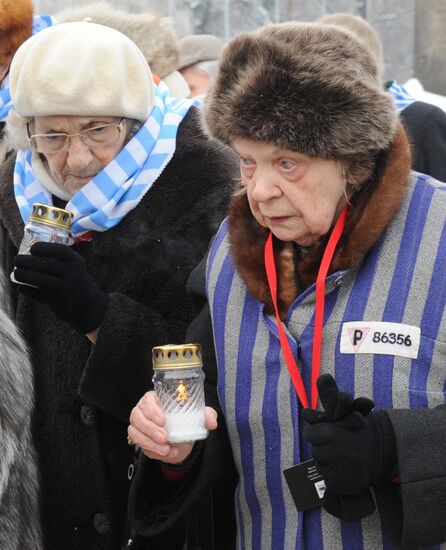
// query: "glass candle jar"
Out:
[178,379]
[47,224]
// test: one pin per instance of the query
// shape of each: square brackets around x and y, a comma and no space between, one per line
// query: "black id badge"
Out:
[306,485]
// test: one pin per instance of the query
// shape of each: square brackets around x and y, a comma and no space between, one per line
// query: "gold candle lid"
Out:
[177,356]
[50,215]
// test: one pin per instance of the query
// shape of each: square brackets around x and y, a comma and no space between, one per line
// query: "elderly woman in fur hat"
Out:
[324,323]
[147,189]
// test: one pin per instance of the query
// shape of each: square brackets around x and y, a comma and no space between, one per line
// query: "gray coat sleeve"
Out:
[414,511]
[19,510]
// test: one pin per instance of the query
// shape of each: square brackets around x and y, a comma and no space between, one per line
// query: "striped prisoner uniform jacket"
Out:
[384,337]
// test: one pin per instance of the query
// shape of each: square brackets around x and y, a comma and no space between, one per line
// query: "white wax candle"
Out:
[185,425]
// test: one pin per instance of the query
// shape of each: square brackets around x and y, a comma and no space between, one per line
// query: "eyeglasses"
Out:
[97,137]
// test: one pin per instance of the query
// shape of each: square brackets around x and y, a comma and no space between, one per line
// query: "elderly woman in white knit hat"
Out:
[325,290]
[146,189]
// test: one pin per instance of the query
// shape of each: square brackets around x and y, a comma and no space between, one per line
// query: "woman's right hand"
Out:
[147,430]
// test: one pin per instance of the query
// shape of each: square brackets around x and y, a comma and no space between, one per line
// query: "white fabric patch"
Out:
[320,488]
[380,338]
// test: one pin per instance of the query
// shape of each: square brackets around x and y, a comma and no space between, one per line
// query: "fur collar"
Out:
[373,208]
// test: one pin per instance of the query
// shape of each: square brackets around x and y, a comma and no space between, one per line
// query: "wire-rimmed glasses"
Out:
[96,137]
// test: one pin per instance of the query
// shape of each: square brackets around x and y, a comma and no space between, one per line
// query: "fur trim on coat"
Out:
[304,87]
[19,513]
[155,36]
[16,22]
[372,209]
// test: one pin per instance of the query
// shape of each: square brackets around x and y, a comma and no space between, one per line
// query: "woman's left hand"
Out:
[147,430]
[58,277]
[348,440]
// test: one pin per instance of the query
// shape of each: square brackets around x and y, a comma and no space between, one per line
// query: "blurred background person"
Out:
[92,133]
[425,123]
[198,62]
[155,36]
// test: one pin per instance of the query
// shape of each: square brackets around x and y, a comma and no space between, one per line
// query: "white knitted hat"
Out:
[81,69]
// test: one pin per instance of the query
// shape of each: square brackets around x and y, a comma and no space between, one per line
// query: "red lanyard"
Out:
[291,363]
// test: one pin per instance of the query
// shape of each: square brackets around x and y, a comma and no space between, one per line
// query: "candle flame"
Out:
[182,392]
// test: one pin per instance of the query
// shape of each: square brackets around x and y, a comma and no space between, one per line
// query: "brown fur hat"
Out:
[363,31]
[16,22]
[305,87]
[155,36]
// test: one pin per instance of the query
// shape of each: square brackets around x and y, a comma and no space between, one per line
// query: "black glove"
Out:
[62,282]
[337,404]
[352,448]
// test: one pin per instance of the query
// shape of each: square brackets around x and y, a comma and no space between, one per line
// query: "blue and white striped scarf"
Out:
[5,99]
[401,96]
[40,22]
[104,201]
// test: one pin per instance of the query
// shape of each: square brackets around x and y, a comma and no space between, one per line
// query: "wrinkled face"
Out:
[197,81]
[296,196]
[76,166]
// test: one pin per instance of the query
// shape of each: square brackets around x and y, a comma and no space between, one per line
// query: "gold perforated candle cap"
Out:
[177,356]
[50,215]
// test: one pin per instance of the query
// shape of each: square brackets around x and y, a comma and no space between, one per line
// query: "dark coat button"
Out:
[101,524]
[87,415]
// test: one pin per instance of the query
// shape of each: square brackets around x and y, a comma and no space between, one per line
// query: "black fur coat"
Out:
[83,392]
